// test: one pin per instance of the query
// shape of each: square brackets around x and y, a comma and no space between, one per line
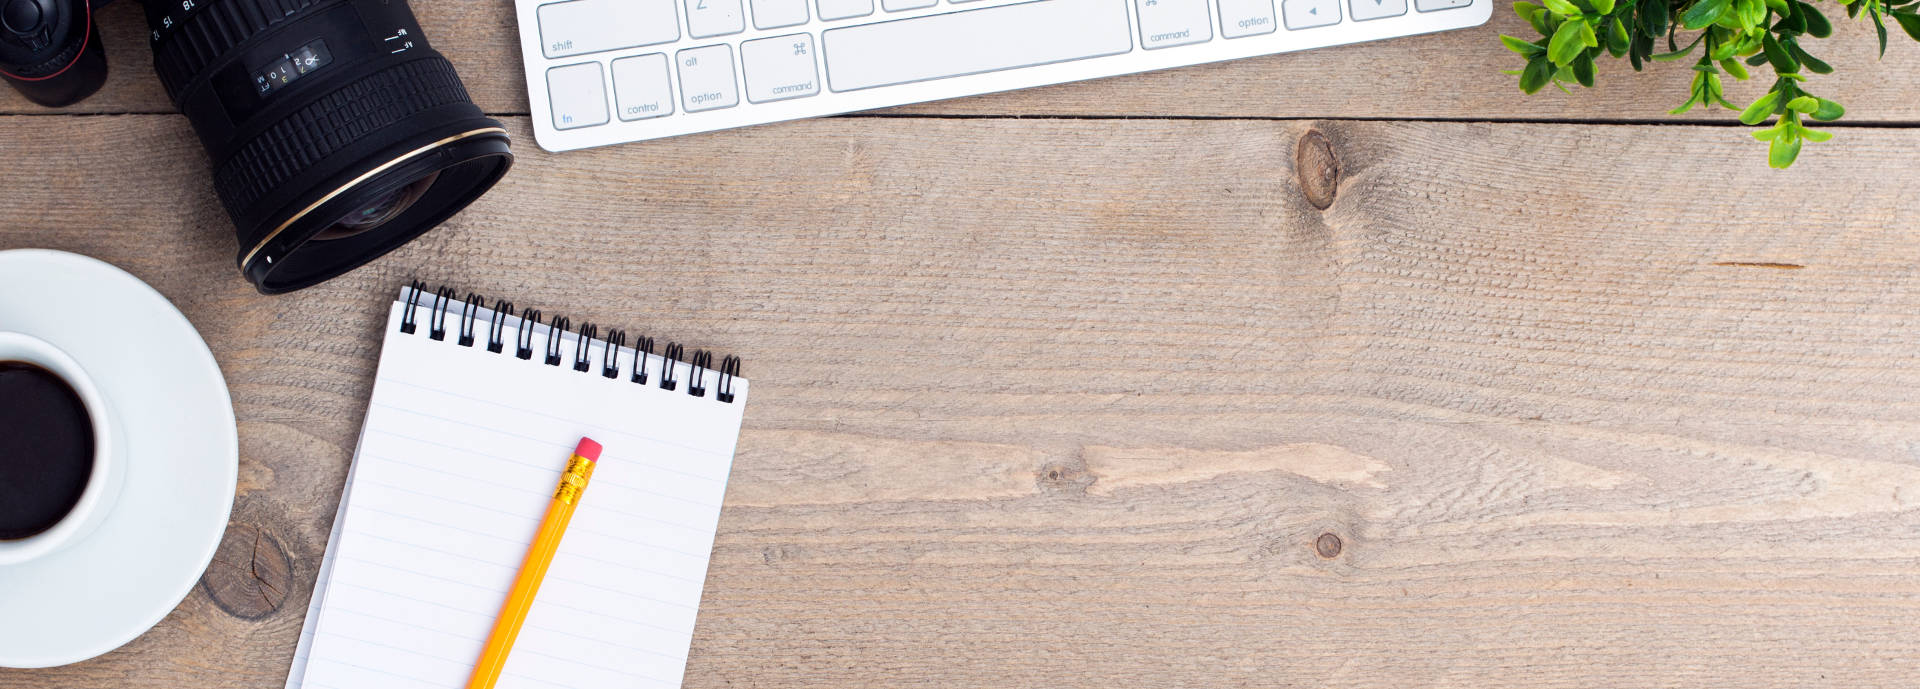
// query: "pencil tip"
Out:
[588,449]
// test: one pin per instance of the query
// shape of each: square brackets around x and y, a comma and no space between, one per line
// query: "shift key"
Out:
[591,26]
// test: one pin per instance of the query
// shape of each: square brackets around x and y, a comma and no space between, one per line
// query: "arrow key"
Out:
[1362,10]
[1307,14]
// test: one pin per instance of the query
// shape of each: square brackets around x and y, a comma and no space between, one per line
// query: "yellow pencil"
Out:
[573,482]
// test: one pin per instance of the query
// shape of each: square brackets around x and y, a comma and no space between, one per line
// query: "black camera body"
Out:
[337,133]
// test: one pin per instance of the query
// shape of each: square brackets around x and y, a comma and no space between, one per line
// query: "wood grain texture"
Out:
[1077,403]
[1452,75]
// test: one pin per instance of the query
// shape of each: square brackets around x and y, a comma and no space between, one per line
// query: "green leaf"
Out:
[1583,70]
[1617,41]
[1791,19]
[1757,60]
[1560,78]
[1536,75]
[1524,48]
[1734,68]
[1751,13]
[1813,64]
[1602,6]
[1817,24]
[1828,111]
[1760,110]
[1782,151]
[1723,50]
[1909,22]
[1879,28]
[1542,22]
[1675,55]
[1562,8]
[1783,62]
[1567,43]
[1702,14]
[1766,134]
[1715,92]
[1803,104]
[1654,15]
[1531,13]
[1815,136]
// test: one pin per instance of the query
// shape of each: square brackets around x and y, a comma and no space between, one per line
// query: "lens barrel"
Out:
[50,50]
[336,132]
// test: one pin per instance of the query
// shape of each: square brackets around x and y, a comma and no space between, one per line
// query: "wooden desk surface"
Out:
[1080,387]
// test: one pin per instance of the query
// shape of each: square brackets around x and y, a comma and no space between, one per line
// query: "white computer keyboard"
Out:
[610,71]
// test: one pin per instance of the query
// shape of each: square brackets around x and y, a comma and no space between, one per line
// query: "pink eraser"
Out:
[588,449]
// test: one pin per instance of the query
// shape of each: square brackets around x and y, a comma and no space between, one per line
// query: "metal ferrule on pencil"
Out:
[574,480]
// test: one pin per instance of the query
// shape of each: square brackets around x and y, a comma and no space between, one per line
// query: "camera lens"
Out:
[50,50]
[336,132]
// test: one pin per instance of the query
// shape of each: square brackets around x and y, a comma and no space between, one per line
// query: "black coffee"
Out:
[46,449]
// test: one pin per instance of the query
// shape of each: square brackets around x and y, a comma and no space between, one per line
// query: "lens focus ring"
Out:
[212,29]
[296,142]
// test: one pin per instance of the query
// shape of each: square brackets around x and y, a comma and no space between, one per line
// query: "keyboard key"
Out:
[779,68]
[640,87]
[1437,5]
[843,9]
[706,78]
[591,26]
[773,14]
[897,5]
[974,41]
[1242,18]
[1362,10]
[708,18]
[1167,23]
[1306,14]
[578,96]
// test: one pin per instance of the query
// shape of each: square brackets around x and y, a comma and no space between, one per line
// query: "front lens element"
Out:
[383,209]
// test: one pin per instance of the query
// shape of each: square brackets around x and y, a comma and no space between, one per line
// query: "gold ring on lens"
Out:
[355,182]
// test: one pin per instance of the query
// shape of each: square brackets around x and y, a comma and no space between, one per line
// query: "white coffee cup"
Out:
[103,485]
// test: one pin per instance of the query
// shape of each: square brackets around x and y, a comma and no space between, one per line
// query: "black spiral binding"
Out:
[497,324]
[674,355]
[615,342]
[642,348]
[701,362]
[437,320]
[466,318]
[610,358]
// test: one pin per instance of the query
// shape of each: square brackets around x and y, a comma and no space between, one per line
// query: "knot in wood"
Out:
[1327,546]
[250,573]
[1063,478]
[1317,169]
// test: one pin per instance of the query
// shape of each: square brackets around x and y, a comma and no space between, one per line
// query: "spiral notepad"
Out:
[474,411]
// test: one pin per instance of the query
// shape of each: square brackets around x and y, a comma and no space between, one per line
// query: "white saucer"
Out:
[181,455]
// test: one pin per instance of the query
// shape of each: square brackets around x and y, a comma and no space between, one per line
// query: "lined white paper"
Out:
[458,459]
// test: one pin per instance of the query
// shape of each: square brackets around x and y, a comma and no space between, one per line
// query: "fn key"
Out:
[578,94]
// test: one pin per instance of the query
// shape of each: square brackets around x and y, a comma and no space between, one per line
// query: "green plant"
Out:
[1573,33]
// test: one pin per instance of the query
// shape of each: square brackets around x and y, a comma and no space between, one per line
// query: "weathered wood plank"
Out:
[1449,75]
[1072,403]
